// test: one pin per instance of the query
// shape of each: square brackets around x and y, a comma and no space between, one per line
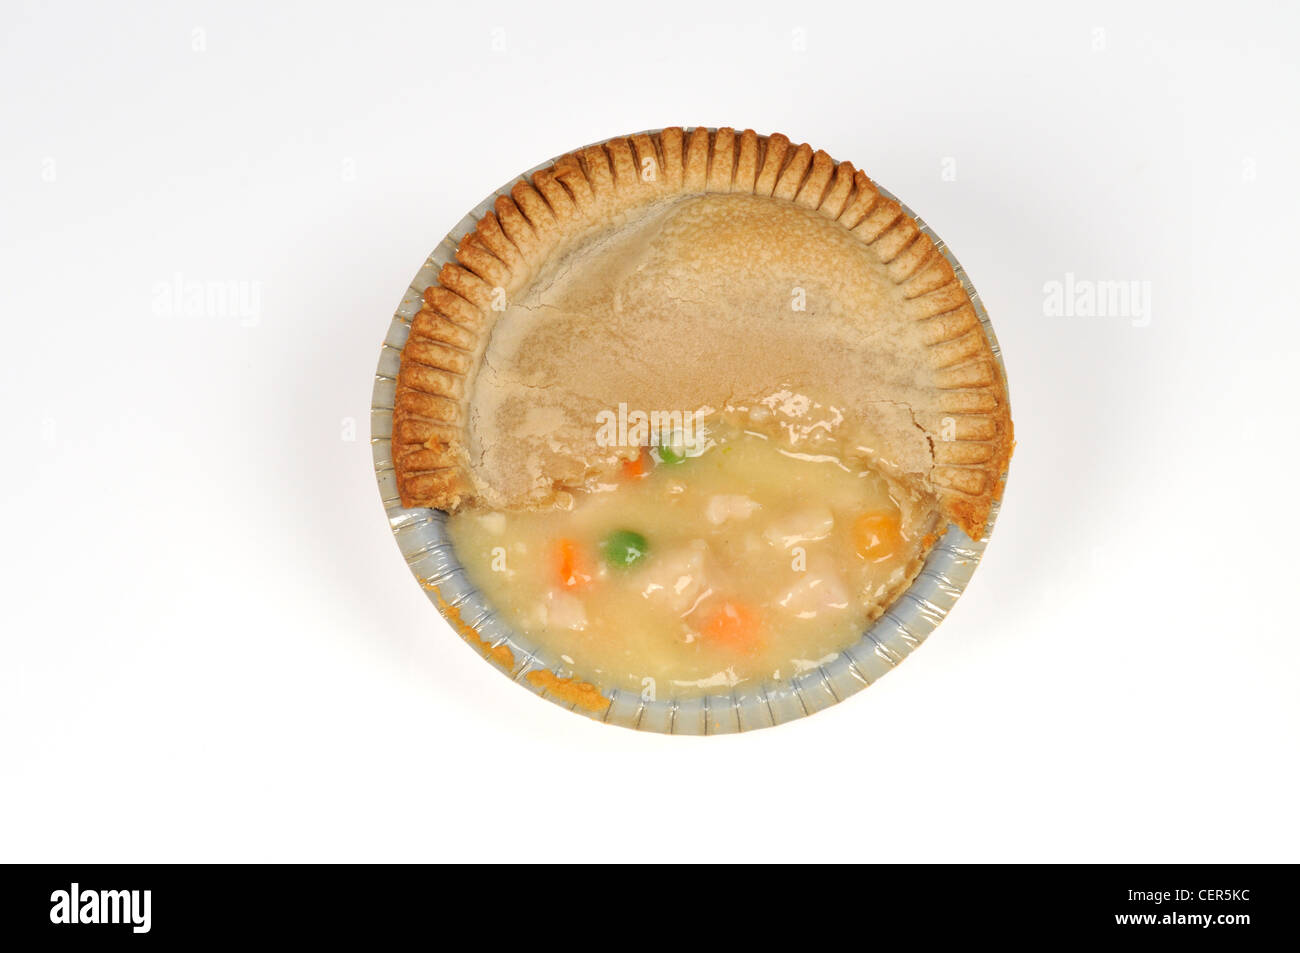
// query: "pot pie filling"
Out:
[743,556]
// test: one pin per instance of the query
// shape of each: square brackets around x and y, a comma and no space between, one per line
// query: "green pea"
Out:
[624,548]
[670,455]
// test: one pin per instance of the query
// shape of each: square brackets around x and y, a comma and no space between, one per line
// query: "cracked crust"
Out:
[958,403]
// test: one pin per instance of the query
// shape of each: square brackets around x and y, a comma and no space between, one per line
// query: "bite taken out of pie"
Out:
[699,405]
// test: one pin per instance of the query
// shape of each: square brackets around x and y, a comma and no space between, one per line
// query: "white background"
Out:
[212,649]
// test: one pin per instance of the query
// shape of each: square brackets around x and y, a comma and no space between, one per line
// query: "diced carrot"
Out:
[877,535]
[572,570]
[734,626]
[637,467]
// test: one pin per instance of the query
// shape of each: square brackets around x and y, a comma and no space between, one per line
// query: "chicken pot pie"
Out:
[698,405]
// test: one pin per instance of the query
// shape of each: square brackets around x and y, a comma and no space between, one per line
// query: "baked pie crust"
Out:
[666,271]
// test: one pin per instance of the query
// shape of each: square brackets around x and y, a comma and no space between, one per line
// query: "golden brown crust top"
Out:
[968,426]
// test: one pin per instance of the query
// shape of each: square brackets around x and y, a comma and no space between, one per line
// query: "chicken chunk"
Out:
[678,578]
[801,526]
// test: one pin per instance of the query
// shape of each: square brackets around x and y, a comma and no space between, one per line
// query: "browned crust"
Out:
[576,692]
[500,654]
[972,434]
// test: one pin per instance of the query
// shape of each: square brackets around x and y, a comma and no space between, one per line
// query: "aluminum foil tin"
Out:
[422,537]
